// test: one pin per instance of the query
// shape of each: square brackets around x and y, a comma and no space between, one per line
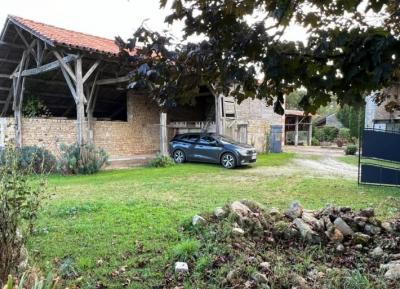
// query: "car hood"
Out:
[244,146]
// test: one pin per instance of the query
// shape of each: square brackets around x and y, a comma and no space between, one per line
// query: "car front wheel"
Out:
[179,156]
[228,161]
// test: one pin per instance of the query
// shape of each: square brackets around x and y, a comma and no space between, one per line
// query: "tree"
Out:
[294,98]
[352,50]
[352,118]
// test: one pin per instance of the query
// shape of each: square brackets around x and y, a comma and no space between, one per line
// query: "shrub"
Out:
[351,150]
[20,200]
[33,159]
[161,161]
[326,134]
[86,159]
[314,142]
[344,134]
[33,107]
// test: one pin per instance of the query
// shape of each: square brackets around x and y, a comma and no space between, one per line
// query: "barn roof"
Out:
[59,36]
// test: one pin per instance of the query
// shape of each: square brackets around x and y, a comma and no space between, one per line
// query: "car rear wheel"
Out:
[179,156]
[228,161]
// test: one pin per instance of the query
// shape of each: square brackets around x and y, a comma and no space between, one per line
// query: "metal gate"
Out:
[275,140]
[379,159]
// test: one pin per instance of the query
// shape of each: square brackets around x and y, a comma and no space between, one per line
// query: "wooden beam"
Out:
[80,105]
[22,36]
[65,65]
[91,70]
[18,78]
[12,45]
[7,103]
[113,80]
[93,92]
[296,135]
[70,84]
[9,60]
[48,67]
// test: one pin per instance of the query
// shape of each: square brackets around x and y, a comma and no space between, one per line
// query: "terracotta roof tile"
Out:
[61,36]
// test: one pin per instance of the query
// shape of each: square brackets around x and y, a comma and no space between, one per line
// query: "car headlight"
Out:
[243,152]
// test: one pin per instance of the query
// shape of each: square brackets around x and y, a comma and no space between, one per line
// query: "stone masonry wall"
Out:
[258,117]
[139,135]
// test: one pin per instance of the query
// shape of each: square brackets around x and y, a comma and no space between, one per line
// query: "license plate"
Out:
[253,157]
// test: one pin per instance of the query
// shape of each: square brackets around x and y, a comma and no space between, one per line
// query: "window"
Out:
[207,140]
[190,138]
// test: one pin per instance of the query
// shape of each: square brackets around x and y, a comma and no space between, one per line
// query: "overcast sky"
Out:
[106,18]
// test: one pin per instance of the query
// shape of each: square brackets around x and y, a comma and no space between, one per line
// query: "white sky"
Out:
[106,18]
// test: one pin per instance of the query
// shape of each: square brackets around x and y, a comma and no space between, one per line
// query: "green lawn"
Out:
[118,227]
[353,160]
[350,160]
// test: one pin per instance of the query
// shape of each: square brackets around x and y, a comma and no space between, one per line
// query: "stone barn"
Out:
[81,87]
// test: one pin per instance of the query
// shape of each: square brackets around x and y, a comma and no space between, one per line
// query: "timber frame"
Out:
[27,57]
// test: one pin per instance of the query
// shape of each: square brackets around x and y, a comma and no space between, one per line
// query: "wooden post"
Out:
[309,138]
[218,115]
[80,104]
[163,134]
[296,133]
[18,90]
[90,109]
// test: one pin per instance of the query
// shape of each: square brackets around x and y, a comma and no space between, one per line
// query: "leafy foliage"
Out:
[352,118]
[344,134]
[351,149]
[34,107]
[315,142]
[86,159]
[326,134]
[161,161]
[352,50]
[20,201]
[32,159]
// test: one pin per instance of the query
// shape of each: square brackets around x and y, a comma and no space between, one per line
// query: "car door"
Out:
[207,149]
[187,143]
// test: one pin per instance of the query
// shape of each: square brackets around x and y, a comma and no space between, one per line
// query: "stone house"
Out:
[80,80]
[385,116]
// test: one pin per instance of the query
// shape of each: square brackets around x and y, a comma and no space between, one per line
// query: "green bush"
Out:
[161,161]
[351,150]
[86,159]
[33,159]
[344,134]
[314,142]
[326,134]
[20,201]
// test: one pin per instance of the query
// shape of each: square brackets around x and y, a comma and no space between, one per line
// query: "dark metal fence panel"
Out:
[383,145]
[379,159]
[371,174]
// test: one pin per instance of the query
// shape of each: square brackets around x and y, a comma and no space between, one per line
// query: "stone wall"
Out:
[257,117]
[139,135]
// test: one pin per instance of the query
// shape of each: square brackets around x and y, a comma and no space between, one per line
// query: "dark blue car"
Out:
[211,148]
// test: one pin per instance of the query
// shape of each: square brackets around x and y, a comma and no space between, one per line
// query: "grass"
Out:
[118,228]
[353,160]
[350,160]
